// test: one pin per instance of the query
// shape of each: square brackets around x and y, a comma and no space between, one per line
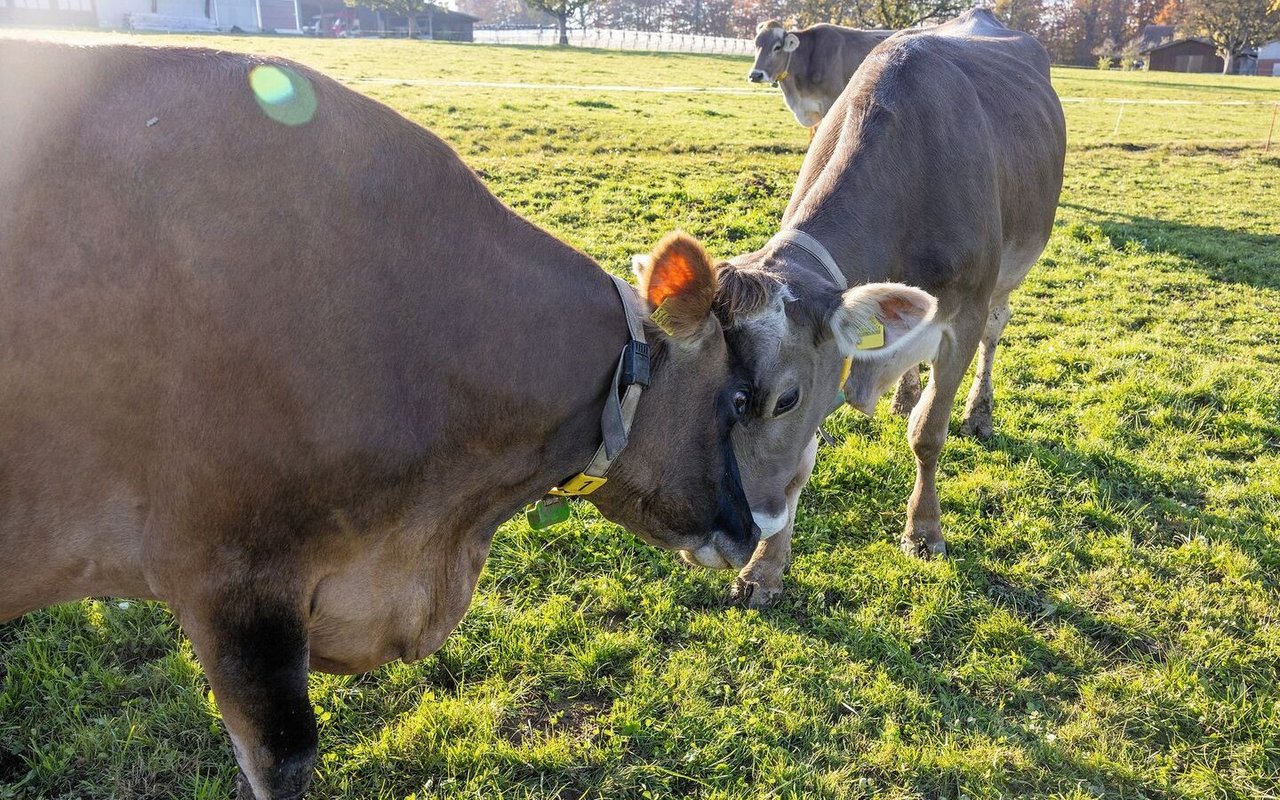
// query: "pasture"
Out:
[1108,624]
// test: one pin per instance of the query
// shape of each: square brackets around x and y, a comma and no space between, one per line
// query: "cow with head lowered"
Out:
[296,405]
[925,199]
[812,65]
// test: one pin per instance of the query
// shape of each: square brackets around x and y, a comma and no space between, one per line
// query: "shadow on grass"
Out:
[1220,253]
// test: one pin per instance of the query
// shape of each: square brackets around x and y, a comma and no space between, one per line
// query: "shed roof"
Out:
[1171,43]
[1153,35]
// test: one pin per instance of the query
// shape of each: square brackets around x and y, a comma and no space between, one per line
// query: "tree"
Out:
[1233,25]
[898,14]
[410,9]
[1021,15]
[561,10]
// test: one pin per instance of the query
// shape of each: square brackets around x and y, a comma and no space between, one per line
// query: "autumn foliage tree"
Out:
[1234,25]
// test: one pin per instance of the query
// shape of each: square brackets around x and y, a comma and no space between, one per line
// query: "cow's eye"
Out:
[777,47]
[741,401]
[787,402]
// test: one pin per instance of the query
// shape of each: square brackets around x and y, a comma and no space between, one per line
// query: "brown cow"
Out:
[939,167]
[812,65]
[295,404]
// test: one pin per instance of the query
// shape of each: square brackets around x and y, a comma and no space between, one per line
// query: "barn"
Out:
[58,13]
[1182,55]
[250,16]
[1269,59]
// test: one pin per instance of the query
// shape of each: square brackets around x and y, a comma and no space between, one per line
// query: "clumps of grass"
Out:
[603,104]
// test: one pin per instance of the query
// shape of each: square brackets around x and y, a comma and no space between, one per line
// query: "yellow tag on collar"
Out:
[872,335]
[578,485]
[662,319]
[844,372]
[782,76]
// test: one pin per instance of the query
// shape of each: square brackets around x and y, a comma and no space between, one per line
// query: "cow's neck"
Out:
[548,353]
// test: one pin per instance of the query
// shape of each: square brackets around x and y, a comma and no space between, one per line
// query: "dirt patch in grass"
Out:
[12,767]
[577,717]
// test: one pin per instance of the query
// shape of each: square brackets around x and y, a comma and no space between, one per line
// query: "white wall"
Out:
[111,12]
[243,13]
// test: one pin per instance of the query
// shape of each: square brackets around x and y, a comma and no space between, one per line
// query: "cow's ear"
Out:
[875,320]
[679,283]
[790,43]
[639,263]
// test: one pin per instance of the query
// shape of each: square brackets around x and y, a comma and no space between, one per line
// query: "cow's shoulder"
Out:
[974,41]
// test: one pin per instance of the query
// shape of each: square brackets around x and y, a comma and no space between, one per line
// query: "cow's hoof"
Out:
[925,547]
[751,594]
[977,428]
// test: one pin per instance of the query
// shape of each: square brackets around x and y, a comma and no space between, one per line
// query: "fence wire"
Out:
[610,39]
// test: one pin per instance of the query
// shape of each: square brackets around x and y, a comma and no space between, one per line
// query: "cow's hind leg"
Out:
[927,432]
[759,583]
[254,652]
[978,408]
[907,394]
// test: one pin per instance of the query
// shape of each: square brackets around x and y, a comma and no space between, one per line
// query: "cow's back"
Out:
[945,149]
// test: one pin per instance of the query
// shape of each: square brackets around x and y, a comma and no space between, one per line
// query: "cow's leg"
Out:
[254,652]
[907,394]
[759,583]
[977,411]
[927,431]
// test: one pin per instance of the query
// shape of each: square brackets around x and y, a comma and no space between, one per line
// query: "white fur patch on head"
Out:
[767,327]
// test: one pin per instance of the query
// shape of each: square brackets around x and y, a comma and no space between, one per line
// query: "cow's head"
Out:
[677,484]
[792,342]
[774,50]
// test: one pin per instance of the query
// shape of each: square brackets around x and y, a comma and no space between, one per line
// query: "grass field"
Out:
[1108,624]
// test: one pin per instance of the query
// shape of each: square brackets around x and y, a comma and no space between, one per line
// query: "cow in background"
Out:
[812,65]
[926,198]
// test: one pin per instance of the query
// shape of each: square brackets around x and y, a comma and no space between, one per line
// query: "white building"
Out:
[1269,59]
[280,16]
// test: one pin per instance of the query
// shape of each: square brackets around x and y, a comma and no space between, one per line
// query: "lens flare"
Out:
[283,94]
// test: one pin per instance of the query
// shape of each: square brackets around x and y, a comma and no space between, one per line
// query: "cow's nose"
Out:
[756,76]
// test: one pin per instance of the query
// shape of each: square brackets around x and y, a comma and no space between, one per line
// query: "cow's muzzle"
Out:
[734,533]
[757,76]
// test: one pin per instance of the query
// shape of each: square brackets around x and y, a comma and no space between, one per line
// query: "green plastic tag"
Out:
[546,512]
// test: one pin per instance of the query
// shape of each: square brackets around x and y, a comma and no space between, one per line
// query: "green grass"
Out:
[1108,624]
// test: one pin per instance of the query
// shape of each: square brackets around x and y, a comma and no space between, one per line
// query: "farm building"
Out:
[333,17]
[48,12]
[1269,59]
[171,15]
[1182,55]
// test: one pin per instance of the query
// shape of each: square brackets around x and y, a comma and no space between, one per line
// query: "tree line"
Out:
[1074,31]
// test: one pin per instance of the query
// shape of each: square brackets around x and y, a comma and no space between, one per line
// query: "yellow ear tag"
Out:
[662,319]
[873,336]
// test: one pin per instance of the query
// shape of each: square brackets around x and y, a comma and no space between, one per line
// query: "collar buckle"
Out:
[635,365]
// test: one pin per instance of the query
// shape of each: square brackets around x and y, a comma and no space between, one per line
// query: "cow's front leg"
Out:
[927,432]
[254,652]
[759,583]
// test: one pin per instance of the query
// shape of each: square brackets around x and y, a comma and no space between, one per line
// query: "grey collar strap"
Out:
[798,238]
[629,379]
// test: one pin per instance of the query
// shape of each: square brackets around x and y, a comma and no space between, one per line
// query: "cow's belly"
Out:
[390,602]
